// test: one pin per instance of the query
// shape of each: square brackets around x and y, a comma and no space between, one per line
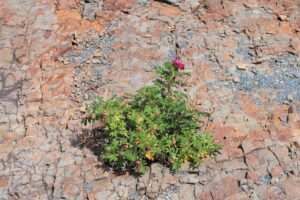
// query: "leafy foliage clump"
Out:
[154,125]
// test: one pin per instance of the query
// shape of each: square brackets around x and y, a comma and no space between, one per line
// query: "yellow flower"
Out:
[149,155]
[154,128]
[137,141]
[125,133]
[117,117]
[203,154]
[139,120]
[186,158]
[149,135]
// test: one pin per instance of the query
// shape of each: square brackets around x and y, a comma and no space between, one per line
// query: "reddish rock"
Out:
[232,152]
[187,192]
[282,154]
[250,144]
[66,14]
[212,6]
[6,55]
[276,171]
[62,49]
[167,10]
[33,131]
[227,187]
[261,135]
[291,187]
[4,182]
[239,196]
[273,193]
[252,176]
[118,4]
[251,160]
[284,134]
[170,11]
[203,193]
[168,179]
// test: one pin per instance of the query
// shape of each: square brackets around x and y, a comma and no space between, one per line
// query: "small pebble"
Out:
[236,79]
[282,17]
[241,66]
[147,36]
[290,98]
[82,109]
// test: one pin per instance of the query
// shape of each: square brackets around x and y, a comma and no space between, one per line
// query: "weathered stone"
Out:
[91,8]
[233,165]
[4,181]
[168,11]
[168,179]
[227,187]
[118,5]
[189,178]
[187,192]
[202,193]
[290,187]
[276,171]
[250,145]
[283,17]
[242,66]
[6,55]
[252,176]
[251,160]
[153,189]
[282,154]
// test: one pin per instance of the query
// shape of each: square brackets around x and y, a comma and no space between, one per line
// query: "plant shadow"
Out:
[95,140]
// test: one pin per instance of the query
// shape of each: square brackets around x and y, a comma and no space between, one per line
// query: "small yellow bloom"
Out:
[149,135]
[117,117]
[139,120]
[149,155]
[154,128]
[125,133]
[137,141]
[203,154]
[186,158]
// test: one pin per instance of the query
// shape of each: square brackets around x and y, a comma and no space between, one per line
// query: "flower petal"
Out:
[178,63]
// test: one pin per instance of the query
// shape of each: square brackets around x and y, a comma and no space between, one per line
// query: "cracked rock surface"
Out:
[244,57]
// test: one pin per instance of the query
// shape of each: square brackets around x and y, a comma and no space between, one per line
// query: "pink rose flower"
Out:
[178,63]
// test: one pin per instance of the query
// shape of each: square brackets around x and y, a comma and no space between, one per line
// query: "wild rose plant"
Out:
[155,125]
